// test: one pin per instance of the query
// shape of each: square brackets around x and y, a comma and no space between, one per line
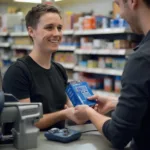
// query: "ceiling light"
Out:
[33,1]
[29,1]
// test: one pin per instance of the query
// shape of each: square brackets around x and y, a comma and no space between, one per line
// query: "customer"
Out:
[130,120]
[36,78]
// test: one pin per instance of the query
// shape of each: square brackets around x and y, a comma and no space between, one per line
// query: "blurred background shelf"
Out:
[104,93]
[26,47]
[66,48]
[14,34]
[68,32]
[103,31]
[67,65]
[3,34]
[104,71]
[120,52]
[5,44]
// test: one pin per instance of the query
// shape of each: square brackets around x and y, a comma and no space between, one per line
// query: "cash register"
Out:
[23,116]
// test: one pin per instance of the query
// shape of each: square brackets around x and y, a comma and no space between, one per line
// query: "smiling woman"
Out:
[36,78]
[45,30]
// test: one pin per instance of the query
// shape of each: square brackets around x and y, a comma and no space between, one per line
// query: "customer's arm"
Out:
[130,110]
[133,102]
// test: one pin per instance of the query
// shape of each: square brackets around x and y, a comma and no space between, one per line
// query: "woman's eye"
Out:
[50,27]
[59,28]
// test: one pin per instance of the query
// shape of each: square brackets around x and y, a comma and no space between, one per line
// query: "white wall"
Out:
[99,6]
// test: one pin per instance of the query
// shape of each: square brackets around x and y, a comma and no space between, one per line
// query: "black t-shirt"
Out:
[40,85]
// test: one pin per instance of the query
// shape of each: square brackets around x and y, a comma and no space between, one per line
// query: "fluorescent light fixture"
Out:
[33,1]
[29,1]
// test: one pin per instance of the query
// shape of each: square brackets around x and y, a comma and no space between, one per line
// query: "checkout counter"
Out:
[88,141]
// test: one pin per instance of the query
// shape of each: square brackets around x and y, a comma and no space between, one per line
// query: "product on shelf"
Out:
[64,57]
[92,64]
[70,41]
[89,22]
[117,84]
[122,44]
[118,22]
[108,84]
[101,62]
[83,63]
[94,83]
[22,41]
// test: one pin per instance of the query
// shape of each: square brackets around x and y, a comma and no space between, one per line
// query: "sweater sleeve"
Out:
[133,103]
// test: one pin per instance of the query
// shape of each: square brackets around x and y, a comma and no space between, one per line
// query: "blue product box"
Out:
[78,92]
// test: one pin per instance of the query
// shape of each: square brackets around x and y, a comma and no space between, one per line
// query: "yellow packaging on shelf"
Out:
[92,64]
[22,41]
[67,20]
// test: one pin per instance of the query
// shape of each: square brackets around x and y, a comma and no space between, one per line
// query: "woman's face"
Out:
[48,33]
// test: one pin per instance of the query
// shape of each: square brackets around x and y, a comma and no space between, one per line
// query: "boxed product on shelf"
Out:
[92,64]
[118,22]
[117,84]
[82,63]
[22,41]
[94,83]
[89,23]
[102,22]
[108,62]
[101,62]
[10,25]
[70,41]
[118,63]
[108,84]
[122,44]
[64,57]
[99,44]
[86,43]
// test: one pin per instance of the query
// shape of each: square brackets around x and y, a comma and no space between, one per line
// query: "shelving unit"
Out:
[68,32]
[102,31]
[119,52]
[67,48]
[18,34]
[3,34]
[67,65]
[5,45]
[103,71]
[104,93]
[26,47]
[79,52]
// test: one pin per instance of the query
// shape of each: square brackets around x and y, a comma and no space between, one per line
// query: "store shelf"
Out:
[26,47]
[69,80]
[105,71]
[67,65]
[120,52]
[66,48]
[3,33]
[102,31]
[19,34]
[68,32]
[6,45]
[104,93]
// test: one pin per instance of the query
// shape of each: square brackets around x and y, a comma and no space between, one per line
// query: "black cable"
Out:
[89,131]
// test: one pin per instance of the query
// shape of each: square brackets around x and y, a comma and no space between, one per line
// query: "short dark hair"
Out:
[147,2]
[33,16]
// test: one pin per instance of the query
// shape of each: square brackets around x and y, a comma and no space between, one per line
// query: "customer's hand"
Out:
[104,103]
[81,112]
[70,114]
